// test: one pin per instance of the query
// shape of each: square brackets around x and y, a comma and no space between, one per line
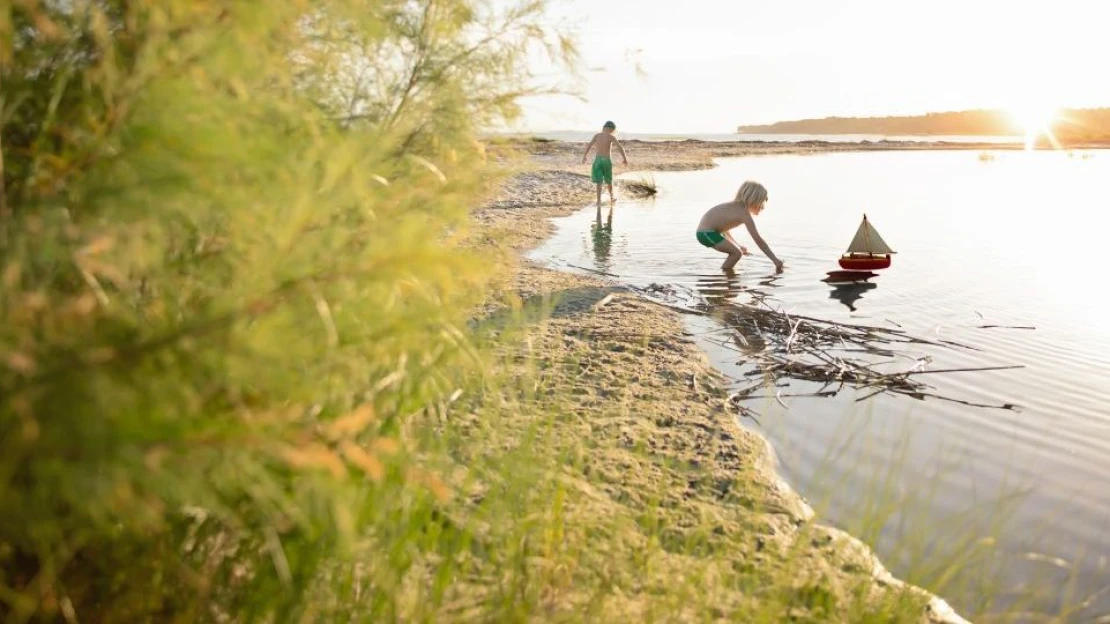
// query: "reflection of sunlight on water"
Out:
[1046,222]
[1017,240]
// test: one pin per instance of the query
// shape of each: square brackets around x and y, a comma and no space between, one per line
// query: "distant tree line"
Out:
[1072,125]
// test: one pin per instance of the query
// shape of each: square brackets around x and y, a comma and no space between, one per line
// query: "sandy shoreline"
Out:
[551,173]
[696,154]
[632,353]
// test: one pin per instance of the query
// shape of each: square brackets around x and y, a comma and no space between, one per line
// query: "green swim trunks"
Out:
[710,238]
[602,170]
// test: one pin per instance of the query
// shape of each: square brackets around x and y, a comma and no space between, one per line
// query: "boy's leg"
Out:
[734,254]
[743,249]
[609,179]
[596,176]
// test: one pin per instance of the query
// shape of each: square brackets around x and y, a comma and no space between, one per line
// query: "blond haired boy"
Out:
[713,229]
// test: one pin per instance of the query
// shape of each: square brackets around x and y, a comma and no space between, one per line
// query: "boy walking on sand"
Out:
[603,163]
[713,229]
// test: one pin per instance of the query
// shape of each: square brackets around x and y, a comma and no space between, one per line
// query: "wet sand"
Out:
[655,412]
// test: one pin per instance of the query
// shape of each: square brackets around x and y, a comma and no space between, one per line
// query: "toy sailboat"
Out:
[868,251]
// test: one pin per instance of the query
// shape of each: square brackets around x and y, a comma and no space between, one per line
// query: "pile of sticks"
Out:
[779,347]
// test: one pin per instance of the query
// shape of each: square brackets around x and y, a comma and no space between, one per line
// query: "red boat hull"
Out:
[862,262]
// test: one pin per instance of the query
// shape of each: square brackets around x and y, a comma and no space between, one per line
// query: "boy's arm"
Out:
[588,146]
[762,244]
[621,148]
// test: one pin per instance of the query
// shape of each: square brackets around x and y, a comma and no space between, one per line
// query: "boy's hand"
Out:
[625,161]
[778,266]
[744,251]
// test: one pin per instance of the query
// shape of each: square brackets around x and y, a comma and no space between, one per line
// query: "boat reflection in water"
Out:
[850,293]
[849,286]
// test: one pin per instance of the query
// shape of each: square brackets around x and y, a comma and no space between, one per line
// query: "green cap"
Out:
[610,124]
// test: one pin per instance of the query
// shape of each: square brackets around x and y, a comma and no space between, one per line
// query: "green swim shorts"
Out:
[602,170]
[710,238]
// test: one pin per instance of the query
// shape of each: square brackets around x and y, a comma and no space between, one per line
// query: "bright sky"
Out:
[710,65]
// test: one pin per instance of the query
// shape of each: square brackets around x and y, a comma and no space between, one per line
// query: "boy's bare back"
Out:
[724,217]
[603,144]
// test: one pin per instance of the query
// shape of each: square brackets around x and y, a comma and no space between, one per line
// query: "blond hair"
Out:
[751,194]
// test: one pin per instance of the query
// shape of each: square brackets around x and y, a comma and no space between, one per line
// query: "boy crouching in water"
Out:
[713,229]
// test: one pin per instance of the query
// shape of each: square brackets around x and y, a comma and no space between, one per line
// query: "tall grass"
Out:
[230,280]
[641,186]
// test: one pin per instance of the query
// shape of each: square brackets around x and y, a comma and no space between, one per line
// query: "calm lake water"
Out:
[1019,499]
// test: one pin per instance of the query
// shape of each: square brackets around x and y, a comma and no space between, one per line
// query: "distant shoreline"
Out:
[939,136]
[771,137]
[781,139]
[691,154]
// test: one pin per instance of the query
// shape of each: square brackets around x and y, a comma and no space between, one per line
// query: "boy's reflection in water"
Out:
[602,235]
[719,292]
[719,289]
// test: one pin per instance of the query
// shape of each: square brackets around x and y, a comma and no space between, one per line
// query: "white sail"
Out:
[868,241]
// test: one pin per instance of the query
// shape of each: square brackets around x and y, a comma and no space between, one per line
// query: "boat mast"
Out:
[867,234]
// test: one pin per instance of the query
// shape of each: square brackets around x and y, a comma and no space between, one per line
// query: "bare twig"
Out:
[921,395]
[957,344]
[593,270]
[868,396]
[964,370]
[782,395]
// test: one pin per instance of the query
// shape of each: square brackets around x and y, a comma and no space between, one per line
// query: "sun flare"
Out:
[1035,119]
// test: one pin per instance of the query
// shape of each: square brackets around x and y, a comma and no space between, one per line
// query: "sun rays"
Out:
[1036,120]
